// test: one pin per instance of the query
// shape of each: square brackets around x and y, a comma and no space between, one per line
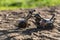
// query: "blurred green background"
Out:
[13,4]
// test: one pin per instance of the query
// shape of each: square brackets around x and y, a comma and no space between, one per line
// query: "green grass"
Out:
[13,4]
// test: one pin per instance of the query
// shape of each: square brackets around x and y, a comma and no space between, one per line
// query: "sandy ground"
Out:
[9,20]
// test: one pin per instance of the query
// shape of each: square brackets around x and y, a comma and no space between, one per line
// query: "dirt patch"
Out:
[9,20]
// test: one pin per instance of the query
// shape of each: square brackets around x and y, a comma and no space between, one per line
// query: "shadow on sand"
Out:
[25,32]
